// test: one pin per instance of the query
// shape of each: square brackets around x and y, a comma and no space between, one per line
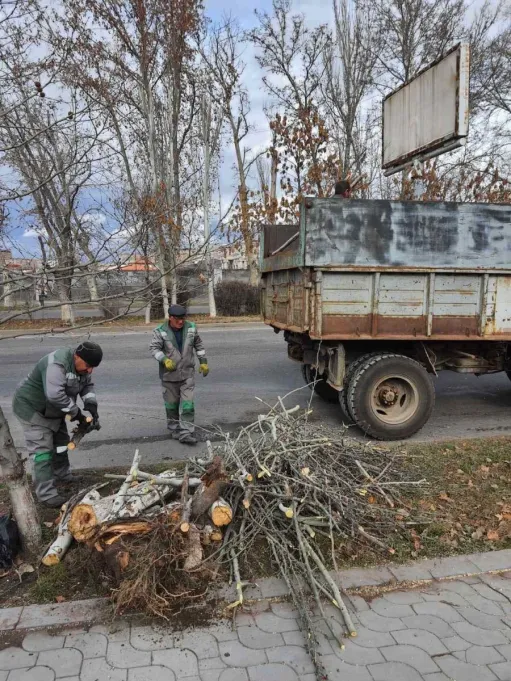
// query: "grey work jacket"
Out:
[164,344]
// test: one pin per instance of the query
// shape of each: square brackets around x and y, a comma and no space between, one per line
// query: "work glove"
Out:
[81,418]
[204,369]
[169,364]
[92,408]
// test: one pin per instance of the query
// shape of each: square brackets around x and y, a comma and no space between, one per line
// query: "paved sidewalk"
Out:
[456,629]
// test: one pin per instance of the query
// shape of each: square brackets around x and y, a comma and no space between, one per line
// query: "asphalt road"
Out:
[246,362]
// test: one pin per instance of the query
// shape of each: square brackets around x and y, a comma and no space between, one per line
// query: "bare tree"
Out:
[350,65]
[226,70]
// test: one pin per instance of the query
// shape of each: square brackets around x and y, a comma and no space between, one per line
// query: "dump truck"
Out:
[375,297]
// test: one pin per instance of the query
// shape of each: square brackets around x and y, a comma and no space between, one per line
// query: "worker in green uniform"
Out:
[173,345]
[42,402]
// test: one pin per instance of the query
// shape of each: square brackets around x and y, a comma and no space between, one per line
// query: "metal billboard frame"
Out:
[453,140]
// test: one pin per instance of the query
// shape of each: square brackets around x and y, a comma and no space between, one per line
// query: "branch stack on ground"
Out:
[282,485]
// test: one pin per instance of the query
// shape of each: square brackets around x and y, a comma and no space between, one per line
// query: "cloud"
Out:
[31,233]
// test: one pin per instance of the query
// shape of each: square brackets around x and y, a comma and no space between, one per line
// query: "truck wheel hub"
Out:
[388,396]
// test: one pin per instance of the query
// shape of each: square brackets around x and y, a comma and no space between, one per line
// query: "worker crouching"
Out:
[173,346]
[43,401]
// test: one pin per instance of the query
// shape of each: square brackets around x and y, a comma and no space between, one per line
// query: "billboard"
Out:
[428,115]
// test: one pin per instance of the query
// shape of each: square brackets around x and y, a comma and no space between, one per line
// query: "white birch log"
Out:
[86,518]
[58,549]
[194,557]
[120,498]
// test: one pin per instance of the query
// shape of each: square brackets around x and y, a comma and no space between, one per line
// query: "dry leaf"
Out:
[60,599]
[478,534]
[444,497]
[470,483]
[492,535]
[371,500]
[48,524]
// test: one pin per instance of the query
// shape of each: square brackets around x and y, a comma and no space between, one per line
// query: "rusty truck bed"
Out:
[389,269]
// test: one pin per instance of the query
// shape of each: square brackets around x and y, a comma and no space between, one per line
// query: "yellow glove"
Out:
[169,364]
[204,369]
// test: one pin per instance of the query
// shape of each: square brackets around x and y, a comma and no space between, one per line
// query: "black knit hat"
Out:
[177,311]
[90,352]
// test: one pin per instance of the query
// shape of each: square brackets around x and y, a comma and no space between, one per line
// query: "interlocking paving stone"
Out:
[3,676]
[294,656]
[33,674]
[211,663]
[356,603]
[224,632]
[373,639]
[394,671]
[9,617]
[455,643]
[439,676]
[412,656]
[505,651]
[285,610]
[404,597]
[202,643]
[376,622]
[273,587]
[430,623]
[98,669]
[457,565]
[446,612]
[15,658]
[153,673]
[444,596]
[117,632]
[489,594]
[253,637]
[64,662]
[482,655]
[149,638]
[89,644]
[502,670]
[234,675]
[461,671]
[267,621]
[337,669]
[477,636]
[234,654]
[425,640]
[352,654]
[182,662]
[383,607]
[272,672]
[481,619]
[40,640]
[123,655]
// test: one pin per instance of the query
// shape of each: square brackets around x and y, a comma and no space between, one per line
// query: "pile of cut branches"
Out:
[282,481]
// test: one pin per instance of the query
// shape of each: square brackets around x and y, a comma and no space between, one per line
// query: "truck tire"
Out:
[350,372]
[390,397]
[320,387]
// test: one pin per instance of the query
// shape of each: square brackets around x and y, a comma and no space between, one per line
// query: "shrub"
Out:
[237,298]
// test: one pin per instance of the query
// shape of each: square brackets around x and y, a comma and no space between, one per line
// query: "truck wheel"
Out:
[350,372]
[390,397]
[320,387]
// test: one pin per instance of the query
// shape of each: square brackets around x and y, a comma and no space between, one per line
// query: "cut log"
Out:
[217,535]
[213,484]
[64,539]
[220,513]
[87,518]
[120,497]
[194,550]
[185,516]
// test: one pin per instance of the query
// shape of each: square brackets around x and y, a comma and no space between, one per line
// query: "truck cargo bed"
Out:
[390,269]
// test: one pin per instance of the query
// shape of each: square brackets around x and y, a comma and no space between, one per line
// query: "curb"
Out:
[393,577]
[55,331]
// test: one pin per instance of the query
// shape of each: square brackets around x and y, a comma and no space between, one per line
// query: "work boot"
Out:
[188,439]
[55,502]
[176,434]
[70,479]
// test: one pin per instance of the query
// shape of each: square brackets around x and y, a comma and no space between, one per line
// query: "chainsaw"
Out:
[81,430]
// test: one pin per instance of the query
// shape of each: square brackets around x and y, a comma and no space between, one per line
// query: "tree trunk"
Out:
[253,265]
[67,314]
[12,473]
